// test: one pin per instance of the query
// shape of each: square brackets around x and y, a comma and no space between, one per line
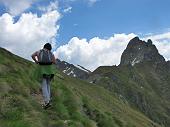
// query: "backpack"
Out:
[45,57]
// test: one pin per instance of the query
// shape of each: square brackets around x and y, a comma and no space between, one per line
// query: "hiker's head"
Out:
[48,46]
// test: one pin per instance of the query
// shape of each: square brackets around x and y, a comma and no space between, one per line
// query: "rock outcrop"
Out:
[72,70]
[139,51]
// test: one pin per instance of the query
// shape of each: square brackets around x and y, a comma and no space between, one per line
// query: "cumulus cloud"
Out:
[51,7]
[100,52]
[67,10]
[29,33]
[95,52]
[15,7]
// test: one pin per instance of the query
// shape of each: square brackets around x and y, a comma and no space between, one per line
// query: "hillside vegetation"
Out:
[75,103]
[144,86]
[142,79]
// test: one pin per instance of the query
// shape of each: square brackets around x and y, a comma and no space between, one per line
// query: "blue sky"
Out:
[106,17]
[85,32]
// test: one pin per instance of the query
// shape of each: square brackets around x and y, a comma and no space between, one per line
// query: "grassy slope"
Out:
[142,86]
[76,103]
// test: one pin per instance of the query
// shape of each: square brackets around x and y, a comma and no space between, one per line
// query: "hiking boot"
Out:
[47,105]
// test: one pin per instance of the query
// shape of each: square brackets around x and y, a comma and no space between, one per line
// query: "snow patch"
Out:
[71,72]
[66,70]
[81,68]
[91,81]
[135,62]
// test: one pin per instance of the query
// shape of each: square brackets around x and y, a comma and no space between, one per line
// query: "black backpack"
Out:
[45,57]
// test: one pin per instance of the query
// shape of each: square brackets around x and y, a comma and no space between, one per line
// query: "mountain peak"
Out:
[133,41]
[139,51]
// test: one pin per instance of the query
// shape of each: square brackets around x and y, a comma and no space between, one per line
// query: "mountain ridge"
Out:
[72,70]
[142,79]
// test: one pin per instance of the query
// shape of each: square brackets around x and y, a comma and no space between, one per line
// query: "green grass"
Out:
[75,103]
[145,87]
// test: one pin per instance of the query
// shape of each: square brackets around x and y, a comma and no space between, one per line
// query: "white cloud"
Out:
[29,33]
[91,2]
[15,7]
[67,10]
[51,7]
[96,52]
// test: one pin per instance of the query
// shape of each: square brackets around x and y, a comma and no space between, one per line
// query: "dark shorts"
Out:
[51,76]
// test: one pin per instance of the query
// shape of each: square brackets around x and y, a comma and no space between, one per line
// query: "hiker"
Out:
[45,58]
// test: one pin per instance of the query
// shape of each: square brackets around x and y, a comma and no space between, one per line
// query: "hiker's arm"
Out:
[53,59]
[34,55]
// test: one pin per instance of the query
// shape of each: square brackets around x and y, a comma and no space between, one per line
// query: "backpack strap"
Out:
[49,56]
[41,54]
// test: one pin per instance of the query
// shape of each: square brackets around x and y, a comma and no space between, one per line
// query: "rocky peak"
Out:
[140,51]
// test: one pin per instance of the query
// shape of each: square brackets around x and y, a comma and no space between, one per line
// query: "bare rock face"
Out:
[139,51]
[72,70]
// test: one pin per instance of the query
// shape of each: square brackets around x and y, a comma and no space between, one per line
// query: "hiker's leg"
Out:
[49,89]
[45,90]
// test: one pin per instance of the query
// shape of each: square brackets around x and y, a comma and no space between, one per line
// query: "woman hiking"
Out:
[45,59]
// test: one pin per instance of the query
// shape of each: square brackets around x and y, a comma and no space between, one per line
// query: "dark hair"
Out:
[48,46]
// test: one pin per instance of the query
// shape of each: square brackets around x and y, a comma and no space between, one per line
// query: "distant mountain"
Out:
[140,51]
[142,79]
[72,70]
